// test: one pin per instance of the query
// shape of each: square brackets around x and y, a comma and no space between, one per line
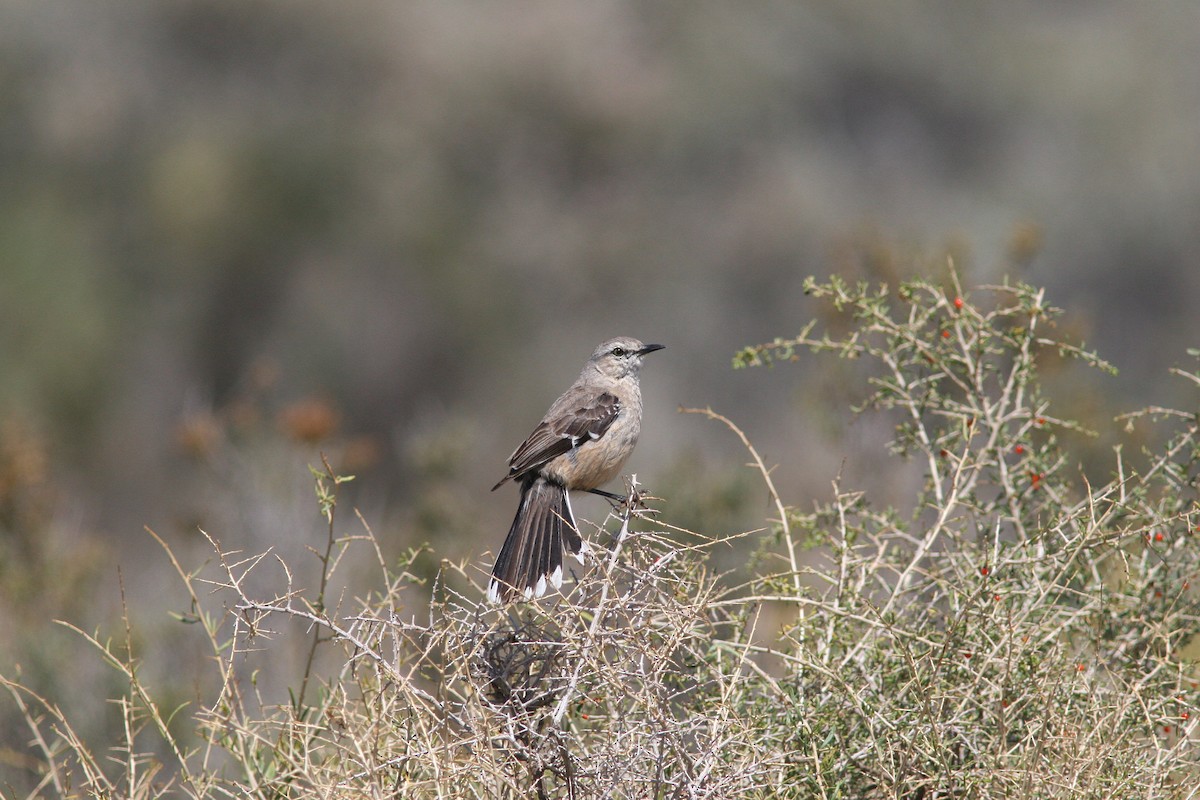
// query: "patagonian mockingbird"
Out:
[581,443]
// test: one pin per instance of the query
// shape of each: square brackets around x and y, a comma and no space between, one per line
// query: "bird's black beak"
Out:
[650,348]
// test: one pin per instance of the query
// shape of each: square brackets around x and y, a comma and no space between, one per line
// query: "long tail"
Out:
[532,554]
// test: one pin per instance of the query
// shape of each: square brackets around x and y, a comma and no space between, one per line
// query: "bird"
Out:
[581,443]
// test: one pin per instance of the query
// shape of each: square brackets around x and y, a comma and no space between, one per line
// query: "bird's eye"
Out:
[619,352]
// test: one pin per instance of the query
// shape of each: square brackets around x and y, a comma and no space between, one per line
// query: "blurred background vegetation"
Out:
[234,235]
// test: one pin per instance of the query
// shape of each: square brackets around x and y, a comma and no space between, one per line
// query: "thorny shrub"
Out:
[1016,632]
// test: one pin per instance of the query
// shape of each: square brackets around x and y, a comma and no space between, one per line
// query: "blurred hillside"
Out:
[233,235]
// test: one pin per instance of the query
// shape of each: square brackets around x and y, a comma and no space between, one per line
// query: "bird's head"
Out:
[621,357]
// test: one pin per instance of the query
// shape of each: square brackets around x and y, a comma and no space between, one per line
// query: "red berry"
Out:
[1019,449]
[1166,728]
[945,334]
[984,571]
[958,302]
[1035,478]
[1185,715]
[1080,667]
[1158,537]
[1041,420]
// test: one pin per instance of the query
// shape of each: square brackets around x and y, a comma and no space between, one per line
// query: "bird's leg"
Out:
[603,493]
[631,501]
[616,499]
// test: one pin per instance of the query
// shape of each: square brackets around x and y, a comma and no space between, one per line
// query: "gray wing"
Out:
[562,432]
